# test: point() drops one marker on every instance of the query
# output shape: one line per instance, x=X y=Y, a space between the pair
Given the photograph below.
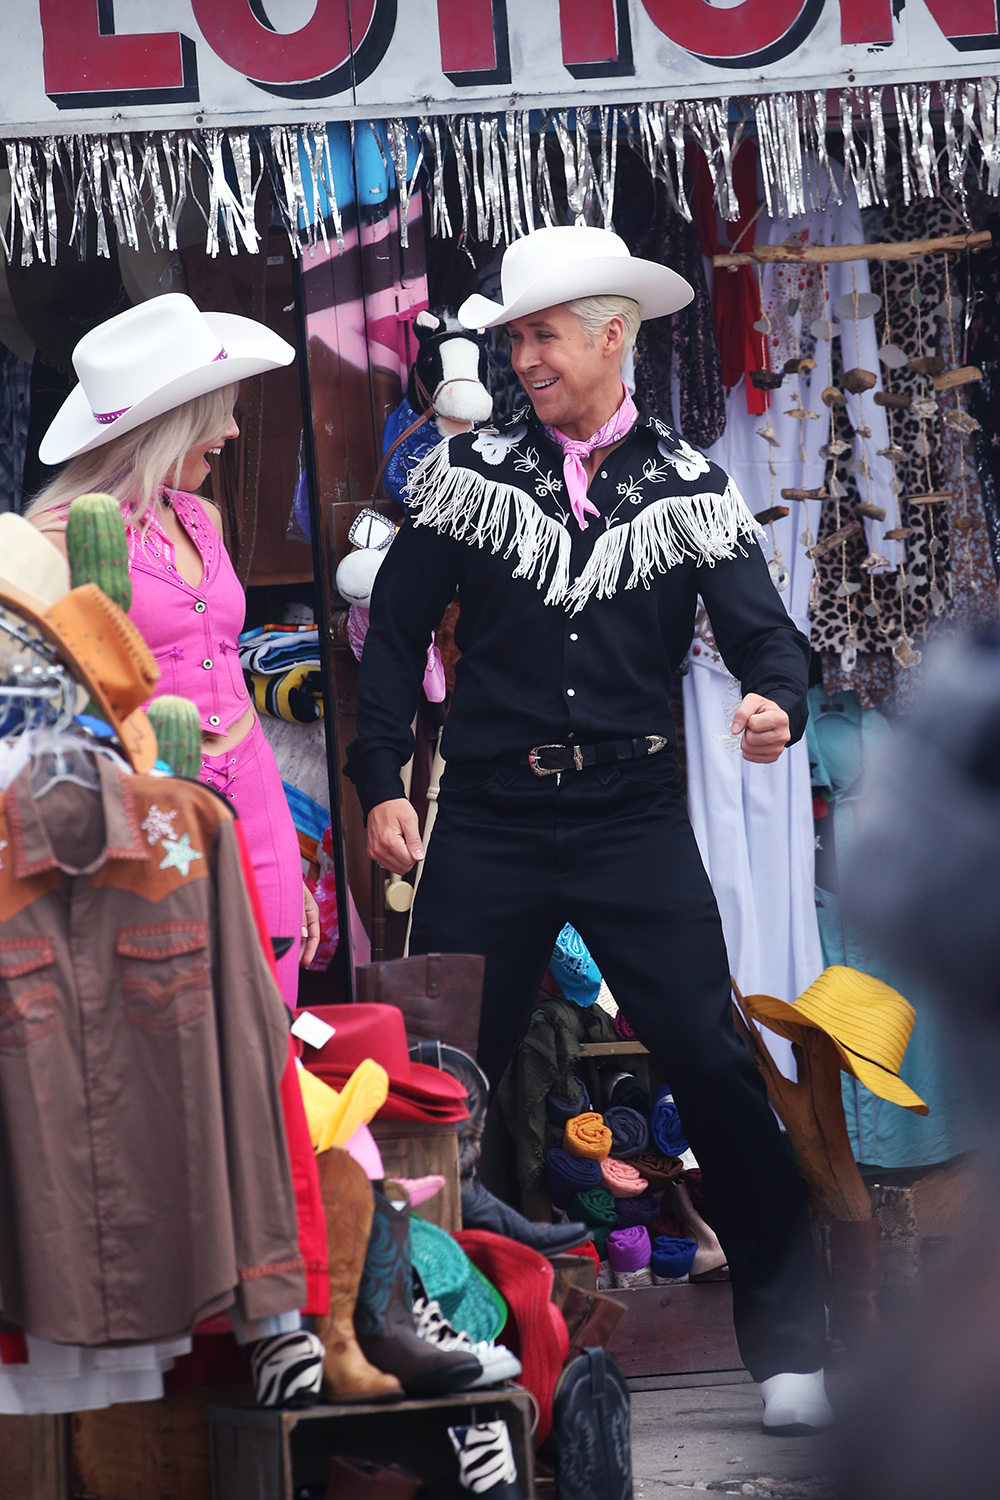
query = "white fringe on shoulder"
x=458 y=502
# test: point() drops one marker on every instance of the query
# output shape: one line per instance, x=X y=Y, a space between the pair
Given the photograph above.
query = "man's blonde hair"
x=136 y=467
x=595 y=313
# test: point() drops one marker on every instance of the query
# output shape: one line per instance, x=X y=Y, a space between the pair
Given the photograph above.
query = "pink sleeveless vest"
x=191 y=630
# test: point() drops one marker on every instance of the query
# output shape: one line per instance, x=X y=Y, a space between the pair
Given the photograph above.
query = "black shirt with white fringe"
x=567 y=636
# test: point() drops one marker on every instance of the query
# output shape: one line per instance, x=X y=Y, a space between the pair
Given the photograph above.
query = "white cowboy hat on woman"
x=149 y=359
x=569 y=261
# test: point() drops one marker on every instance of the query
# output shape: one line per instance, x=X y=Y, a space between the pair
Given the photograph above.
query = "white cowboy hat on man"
x=147 y=360
x=560 y=264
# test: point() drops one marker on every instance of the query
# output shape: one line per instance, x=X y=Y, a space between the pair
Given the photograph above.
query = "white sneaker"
x=497 y=1361
x=795 y=1403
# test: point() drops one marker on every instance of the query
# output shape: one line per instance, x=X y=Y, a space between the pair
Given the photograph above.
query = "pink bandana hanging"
x=575 y=475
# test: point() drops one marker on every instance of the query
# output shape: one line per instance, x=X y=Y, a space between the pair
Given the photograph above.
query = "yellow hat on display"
x=868 y=1022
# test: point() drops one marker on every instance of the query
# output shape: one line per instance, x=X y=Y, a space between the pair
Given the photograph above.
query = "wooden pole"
x=824 y=254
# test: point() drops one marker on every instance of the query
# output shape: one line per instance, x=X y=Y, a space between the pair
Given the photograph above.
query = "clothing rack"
x=824 y=254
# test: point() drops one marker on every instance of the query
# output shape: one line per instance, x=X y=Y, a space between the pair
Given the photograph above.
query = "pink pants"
x=247 y=776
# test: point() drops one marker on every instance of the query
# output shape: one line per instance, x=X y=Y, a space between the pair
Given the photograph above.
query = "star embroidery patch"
x=179 y=854
x=158 y=824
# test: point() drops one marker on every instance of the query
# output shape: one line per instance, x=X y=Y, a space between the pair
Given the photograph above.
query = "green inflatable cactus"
x=97 y=549
x=178 y=733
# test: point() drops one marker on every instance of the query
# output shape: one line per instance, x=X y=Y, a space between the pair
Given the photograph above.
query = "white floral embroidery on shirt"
x=631 y=489
x=159 y=824
x=686 y=460
x=3 y=845
x=494 y=446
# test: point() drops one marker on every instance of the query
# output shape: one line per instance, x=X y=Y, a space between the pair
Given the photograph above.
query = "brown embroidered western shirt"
x=144 y=1176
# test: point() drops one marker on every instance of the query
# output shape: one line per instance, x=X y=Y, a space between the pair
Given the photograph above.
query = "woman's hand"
x=310 y=927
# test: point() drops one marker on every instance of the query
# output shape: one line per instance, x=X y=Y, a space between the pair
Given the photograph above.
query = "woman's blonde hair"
x=139 y=465
x=595 y=313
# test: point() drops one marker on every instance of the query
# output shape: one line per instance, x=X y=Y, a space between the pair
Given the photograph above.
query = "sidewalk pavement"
x=709 y=1438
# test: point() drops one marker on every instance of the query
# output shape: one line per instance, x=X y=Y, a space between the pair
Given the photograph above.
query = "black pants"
x=512 y=858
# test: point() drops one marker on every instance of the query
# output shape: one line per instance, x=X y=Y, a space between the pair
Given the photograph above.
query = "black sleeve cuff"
x=375 y=775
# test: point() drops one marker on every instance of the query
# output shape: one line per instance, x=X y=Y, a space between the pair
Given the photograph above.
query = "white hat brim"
x=657 y=289
x=251 y=349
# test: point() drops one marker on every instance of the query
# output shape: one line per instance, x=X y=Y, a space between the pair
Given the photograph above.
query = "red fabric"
x=536 y=1330
x=313 y=1245
x=590 y=1250
x=215 y=1359
x=735 y=294
x=13 y=1348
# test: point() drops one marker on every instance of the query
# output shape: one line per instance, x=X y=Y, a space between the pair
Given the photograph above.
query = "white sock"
x=792 y=1400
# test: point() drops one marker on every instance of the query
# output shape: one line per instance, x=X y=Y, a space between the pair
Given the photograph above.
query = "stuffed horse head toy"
x=451 y=371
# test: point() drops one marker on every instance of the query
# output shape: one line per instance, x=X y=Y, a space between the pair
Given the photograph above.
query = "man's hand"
x=394 y=835
x=764 y=726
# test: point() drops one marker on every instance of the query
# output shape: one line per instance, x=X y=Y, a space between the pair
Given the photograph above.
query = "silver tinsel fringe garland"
x=144 y=180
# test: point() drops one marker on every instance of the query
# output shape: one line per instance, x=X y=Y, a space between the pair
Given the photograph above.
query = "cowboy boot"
x=383 y=1317
x=482 y=1209
x=854 y=1313
x=591 y=1319
x=365 y=1479
x=348 y=1204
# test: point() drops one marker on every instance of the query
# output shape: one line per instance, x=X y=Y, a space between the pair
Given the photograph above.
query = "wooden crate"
x=34 y=1458
x=412 y=1148
x=146 y=1450
x=274 y=1455
x=676 y=1330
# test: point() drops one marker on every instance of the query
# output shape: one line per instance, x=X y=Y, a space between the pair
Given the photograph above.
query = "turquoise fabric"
x=840 y=737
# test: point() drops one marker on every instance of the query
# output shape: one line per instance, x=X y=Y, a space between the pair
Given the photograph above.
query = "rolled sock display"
x=566 y=1175
x=665 y=1124
x=629 y=1131
x=587 y=1135
x=629 y=1253
x=562 y=1107
x=621 y=1178
x=672 y=1258
x=641 y=1210
x=625 y=1091
x=594 y=1207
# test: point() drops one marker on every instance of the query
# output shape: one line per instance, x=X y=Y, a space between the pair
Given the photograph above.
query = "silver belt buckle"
x=656 y=742
x=533 y=755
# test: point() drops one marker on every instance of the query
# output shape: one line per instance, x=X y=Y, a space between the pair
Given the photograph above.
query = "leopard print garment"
x=950 y=580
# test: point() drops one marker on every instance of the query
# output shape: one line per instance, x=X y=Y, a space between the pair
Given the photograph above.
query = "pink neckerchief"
x=574 y=473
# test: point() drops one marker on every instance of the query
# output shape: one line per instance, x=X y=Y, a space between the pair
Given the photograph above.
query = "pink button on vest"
x=191 y=629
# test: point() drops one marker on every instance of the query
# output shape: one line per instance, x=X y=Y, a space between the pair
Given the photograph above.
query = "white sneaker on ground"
x=795 y=1403
x=497 y=1361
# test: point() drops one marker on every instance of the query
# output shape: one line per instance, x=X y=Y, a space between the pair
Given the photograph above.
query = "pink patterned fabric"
x=575 y=475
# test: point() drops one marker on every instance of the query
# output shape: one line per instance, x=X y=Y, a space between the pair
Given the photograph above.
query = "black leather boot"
x=383 y=1315
x=481 y=1210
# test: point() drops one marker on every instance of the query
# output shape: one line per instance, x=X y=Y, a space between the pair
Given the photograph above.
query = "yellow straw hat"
x=868 y=1022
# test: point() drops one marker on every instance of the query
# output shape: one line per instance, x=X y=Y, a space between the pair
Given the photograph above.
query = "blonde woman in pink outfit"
x=155 y=398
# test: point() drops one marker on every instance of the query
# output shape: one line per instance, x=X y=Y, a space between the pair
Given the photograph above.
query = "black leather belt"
x=553 y=760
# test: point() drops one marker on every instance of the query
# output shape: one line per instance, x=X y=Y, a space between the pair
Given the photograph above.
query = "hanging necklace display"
x=903 y=648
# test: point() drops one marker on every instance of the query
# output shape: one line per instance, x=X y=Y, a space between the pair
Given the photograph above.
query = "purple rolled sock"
x=640 y=1210
x=629 y=1249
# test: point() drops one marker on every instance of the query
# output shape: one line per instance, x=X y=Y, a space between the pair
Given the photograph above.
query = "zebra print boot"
x=287 y=1369
x=485 y=1460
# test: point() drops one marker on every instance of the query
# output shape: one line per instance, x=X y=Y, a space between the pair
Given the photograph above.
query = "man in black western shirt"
x=579 y=536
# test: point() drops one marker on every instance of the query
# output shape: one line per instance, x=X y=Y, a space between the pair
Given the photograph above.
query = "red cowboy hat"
x=536 y=1330
x=416 y=1092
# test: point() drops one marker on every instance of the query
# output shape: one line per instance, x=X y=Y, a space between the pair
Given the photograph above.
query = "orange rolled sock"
x=587 y=1135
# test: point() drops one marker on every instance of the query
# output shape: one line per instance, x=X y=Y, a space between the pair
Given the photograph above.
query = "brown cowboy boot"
x=590 y=1319
x=349 y=1207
